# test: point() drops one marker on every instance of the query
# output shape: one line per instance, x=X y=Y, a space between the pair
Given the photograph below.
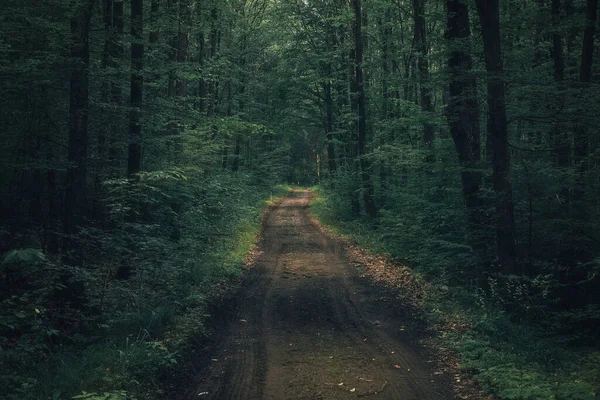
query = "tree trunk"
x=367 y=184
x=489 y=15
x=561 y=149
x=463 y=119
x=134 y=160
x=201 y=81
x=581 y=140
x=183 y=42
x=154 y=12
x=214 y=47
x=422 y=50
x=75 y=199
x=329 y=124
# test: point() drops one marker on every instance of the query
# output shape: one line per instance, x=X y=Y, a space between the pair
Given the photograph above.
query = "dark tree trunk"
x=75 y=199
x=214 y=48
x=183 y=42
x=329 y=125
x=201 y=81
x=587 y=51
x=422 y=50
x=463 y=119
x=385 y=64
x=489 y=15
x=154 y=12
x=353 y=139
x=134 y=160
x=107 y=9
x=557 y=48
x=581 y=140
x=117 y=48
x=561 y=150
x=367 y=184
x=108 y=136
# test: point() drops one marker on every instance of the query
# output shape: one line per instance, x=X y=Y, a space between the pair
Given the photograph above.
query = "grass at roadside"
x=509 y=360
x=149 y=320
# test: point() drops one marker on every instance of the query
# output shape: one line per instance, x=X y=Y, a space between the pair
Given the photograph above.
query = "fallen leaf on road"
x=353 y=390
x=397 y=366
x=202 y=393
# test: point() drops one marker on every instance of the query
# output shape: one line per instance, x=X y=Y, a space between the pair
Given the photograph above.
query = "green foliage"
x=112 y=395
x=511 y=356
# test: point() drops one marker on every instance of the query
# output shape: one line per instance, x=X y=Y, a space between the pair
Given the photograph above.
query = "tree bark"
x=489 y=15
x=367 y=184
x=134 y=160
x=75 y=199
x=422 y=50
x=155 y=30
x=561 y=147
x=581 y=140
x=329 y=124
x=463 y=119
x=183 y=42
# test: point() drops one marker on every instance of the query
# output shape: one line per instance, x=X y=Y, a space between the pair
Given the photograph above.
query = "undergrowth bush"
x=514 y=347
x=106 y=324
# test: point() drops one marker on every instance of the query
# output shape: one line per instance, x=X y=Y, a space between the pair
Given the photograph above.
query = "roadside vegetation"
x=121 y=336
x=514 y=346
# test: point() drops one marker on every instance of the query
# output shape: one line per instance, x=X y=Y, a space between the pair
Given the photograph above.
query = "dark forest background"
x=142 y=139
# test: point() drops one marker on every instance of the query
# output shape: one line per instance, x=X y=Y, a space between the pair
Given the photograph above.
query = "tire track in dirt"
x=305 y=326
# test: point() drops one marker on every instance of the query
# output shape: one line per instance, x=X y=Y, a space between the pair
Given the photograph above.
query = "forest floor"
x=309 y=323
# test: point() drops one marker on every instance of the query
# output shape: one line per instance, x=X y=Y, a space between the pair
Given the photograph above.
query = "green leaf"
x=24 y=255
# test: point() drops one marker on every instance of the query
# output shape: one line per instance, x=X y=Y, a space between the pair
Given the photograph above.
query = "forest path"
x=306 y=325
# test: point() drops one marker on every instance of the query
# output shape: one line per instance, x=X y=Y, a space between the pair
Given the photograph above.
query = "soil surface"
x=308 y=325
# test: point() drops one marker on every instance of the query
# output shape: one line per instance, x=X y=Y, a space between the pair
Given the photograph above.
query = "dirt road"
x=306 y=326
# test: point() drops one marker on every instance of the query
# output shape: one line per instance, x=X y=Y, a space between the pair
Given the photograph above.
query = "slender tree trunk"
x=463 y=119
x=386 y=34
x=155 y=30
x=329 y=123
x=214 y=44
x=581 y=140
x=75 y=199
x=353 y=154
x=107 y=9
x=201 y=81
x=422 y=50
x=134 y=160
x=367 y=184
x=489 y=15
x=561 y=151
x=183 y=42
x=107 y=151
x=117 y=48
x=101 y=163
